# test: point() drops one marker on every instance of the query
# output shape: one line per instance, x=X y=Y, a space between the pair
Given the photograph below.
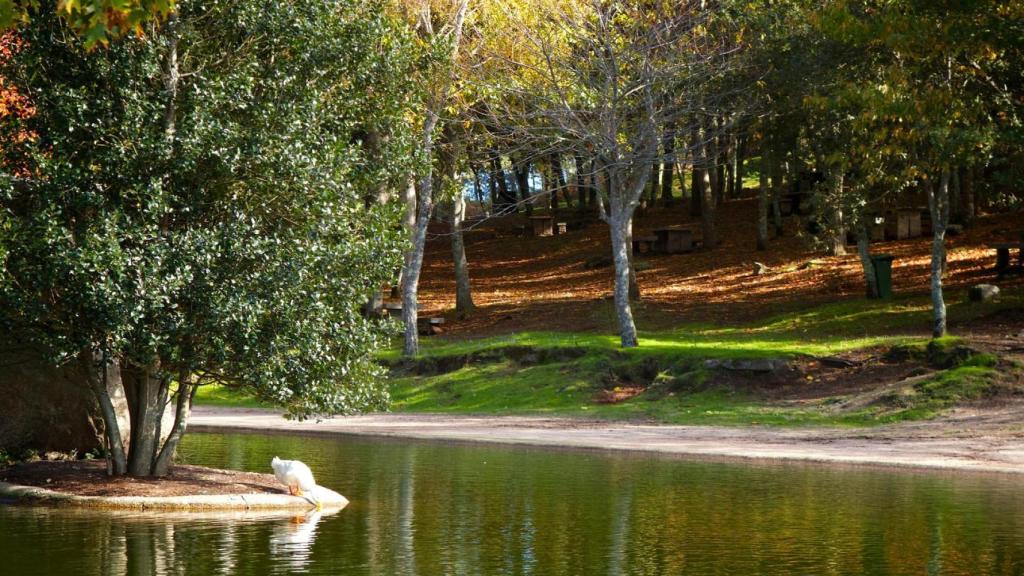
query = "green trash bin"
x=883 y=274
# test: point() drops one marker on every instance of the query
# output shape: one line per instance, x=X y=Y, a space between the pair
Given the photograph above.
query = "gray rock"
x=754 y=365
x=983 y=293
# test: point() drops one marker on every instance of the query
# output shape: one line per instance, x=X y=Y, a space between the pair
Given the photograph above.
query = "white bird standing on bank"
x=297 y=477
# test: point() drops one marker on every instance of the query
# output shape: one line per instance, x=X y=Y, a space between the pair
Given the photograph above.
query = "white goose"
x=297 y=477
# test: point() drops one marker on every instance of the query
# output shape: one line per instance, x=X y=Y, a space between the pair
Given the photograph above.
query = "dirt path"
x=990 y=440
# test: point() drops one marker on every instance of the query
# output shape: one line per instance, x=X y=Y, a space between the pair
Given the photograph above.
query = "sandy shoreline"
x=990 y=441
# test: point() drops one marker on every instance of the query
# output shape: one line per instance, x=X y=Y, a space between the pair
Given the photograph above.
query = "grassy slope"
x=567 y=386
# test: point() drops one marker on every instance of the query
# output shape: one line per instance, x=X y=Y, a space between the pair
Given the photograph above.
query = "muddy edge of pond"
x=970 y=442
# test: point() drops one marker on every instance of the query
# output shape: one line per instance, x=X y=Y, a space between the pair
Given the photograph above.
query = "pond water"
x=436 y=509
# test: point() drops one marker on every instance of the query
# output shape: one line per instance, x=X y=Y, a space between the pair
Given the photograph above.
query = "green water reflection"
x=430 y=509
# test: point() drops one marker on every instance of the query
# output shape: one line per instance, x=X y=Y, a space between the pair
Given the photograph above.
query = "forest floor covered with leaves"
x=521 y=282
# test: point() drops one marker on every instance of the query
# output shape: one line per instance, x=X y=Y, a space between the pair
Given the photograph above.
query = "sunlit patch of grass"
x=217 y=395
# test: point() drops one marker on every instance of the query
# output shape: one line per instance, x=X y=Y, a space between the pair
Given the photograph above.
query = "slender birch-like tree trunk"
x=418 y=240
x=425 y=200
x=837 y=234
x=668 y=144
x=938 y=205
x=762 y=211
x=463 y=295
x=863 y=250
x=618 y=223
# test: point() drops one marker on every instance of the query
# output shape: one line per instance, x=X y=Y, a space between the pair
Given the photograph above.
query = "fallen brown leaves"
x=526 y=283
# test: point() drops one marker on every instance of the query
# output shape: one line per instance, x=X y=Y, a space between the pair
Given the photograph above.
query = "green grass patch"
x=222 y=396
x=970 y=381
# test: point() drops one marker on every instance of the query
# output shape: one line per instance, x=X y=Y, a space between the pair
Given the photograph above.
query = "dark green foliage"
x=217 y=228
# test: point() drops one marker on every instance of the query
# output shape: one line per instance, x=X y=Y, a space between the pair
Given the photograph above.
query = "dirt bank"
x=990 y=440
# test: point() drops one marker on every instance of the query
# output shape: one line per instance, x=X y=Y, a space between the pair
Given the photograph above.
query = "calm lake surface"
x=435 y=509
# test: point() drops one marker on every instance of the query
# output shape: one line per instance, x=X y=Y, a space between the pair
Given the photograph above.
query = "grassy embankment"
x=667 y=379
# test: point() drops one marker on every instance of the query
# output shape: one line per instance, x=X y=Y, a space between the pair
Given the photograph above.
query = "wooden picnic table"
x=1003 y=265
x=644 y=244
x=673 y=240
x=394 y=309
x=425 y=325
x=543 y=225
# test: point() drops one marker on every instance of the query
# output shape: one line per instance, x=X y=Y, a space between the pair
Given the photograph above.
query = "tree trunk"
x=938 y=205
x=170 y=79
x=414 y=255
x=593 y=193
x=716 y=165
x=740 y=169
x=492 y=185
x=634 y=286
x=522 y=173
x=478 y=191
x=507 y=197
x=621 y=246
x=956 y=205
x=710 y=170
x=863 y=247
x=413 y=266
x=668 y=144
x=581 y=185
x=696 y=196
x=147 y=412
x=97 y=372
x=680 y=169
x=560 y=181
x=425 y=205
x=183 y=409
x=463 y=295
x=762 y=211
x=655 y=184
x=837 y=230
x=730 y=177
x=708 y=197
x=777 y=190
x=967 y=193
x=708 y=212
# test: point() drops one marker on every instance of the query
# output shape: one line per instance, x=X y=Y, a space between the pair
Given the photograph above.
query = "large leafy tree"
x=195 y=208
x=604 y=80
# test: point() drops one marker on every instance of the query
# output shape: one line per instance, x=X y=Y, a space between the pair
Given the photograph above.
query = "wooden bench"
x=672 y=240
x=1003 y=264
x=644 y=244
x=429 y=326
